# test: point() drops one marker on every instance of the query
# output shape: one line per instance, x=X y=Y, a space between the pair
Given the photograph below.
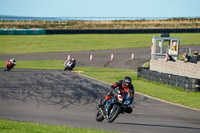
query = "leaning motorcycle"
x=68 y=65
x=8 y=68
x=113 y=107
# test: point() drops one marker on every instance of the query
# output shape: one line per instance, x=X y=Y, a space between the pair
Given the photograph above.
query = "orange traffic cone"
x=112 y=57
x=90 y=57
x=132 y=56
x=68 y=57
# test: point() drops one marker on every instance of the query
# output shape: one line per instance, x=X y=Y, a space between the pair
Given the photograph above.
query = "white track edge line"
x=146 y=95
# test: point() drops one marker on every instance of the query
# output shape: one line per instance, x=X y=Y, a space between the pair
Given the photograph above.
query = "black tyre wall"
x=186 y=83
x=120 y=31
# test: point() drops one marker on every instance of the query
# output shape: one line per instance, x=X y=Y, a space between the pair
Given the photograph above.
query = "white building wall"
x=180 y=68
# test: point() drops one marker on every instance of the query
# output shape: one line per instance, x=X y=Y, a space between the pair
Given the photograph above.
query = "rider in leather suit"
x=10 y=64
x=125 y=86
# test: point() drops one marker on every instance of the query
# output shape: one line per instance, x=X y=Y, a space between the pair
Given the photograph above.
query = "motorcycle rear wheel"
x=113 y=113
x=99 y=116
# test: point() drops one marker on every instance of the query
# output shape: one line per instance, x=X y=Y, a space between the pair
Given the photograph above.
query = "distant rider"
x=125 y=86
x=70 y=65
x=10 y=64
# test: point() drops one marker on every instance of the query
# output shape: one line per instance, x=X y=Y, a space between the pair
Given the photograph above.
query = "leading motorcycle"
x=113 y=107
x=10 y=64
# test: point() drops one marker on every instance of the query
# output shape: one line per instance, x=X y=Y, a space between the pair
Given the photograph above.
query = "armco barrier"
x=187 y=83
x=120 y=31
x=22 y=31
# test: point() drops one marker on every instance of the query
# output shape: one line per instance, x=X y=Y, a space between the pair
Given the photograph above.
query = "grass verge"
x=24 y=127
x=12 y=44
x=110 y=75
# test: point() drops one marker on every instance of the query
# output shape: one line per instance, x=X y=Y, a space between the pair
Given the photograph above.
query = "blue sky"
x=100 y=8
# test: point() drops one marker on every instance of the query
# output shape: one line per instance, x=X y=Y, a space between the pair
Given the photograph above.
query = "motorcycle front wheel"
x=113 y=113
x=66 y=68
x=8 y=68
x=99 y=116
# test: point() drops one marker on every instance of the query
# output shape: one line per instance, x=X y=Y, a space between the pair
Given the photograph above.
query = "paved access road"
x=68 y=98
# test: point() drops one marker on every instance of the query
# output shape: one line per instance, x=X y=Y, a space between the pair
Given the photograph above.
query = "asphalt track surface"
x=67 y=98
x=101 y=58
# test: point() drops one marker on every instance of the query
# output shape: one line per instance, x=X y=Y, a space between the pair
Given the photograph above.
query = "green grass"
x=157 y=90
x=12 y=44
x=110 y=75
x=23 y=127
x=62 y=43
x=37 y=64
x=147 y=64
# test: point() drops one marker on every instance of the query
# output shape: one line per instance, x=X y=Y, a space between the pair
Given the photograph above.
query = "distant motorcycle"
x=10 y=64
x=69 y=65
x=113 y=107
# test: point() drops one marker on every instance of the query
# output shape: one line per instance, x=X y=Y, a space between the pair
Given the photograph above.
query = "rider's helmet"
x=13 y=61
x=73 y=60
x=127 y=82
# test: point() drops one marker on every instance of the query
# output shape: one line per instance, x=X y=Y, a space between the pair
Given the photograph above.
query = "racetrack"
x=101 y=58
x=68 y=98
